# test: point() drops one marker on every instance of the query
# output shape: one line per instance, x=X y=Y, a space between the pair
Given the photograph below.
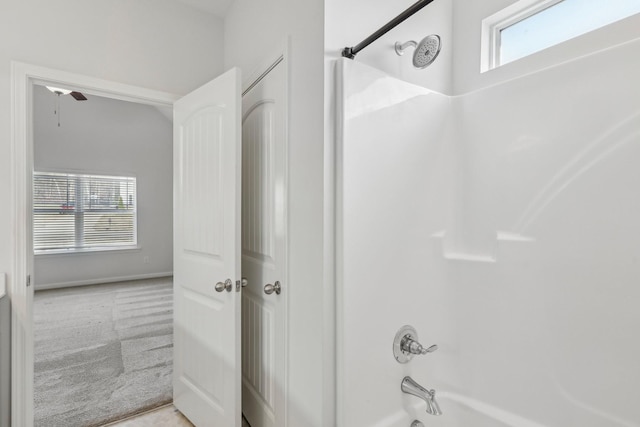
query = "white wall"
x=111 y=137
x=156 y=44
x=253 y=31
x=467 y=26
x=549 y=195
x=395 y=191
x=555 y=174
x=346 y=24
x=350 y=22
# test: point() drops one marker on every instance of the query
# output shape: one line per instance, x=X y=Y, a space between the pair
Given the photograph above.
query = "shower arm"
x=351 y=52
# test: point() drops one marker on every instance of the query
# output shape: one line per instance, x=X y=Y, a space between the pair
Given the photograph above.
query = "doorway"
x=102 y=232
x=24 y=77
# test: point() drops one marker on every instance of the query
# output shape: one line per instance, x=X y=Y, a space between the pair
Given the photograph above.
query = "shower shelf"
x=502 y=237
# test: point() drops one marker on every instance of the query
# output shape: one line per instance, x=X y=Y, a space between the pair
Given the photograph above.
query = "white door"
x=264 y=252
x=206 y=378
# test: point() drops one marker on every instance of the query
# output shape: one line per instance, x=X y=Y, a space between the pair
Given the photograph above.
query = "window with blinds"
x=77 y=212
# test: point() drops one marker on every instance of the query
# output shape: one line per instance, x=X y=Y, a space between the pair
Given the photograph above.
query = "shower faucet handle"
x=406 y=345
x=412 y=346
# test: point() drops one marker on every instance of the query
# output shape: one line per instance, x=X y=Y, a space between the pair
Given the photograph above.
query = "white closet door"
x=264 y=251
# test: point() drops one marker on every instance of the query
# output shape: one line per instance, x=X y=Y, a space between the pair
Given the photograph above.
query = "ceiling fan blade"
x=78 y=96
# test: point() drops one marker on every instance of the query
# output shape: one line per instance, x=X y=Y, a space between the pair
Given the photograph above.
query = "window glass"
x=76 y=212
x=558 y=23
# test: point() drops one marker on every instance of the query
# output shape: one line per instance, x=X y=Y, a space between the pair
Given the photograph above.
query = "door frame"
x=23 y=78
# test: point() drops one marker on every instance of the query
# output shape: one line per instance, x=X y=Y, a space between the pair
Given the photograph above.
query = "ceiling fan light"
x=58 y=90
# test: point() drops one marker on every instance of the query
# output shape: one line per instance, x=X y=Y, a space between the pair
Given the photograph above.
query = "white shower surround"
x=503 y=225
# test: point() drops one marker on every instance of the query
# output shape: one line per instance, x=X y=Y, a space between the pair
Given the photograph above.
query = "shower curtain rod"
x=351 y=52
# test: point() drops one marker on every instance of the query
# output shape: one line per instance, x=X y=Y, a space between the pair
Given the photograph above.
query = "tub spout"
x=409 y=386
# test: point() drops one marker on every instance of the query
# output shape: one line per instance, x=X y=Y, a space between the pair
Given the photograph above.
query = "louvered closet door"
x=264 y=236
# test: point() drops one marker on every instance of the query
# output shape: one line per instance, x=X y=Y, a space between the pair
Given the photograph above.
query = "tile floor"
x=166 y=416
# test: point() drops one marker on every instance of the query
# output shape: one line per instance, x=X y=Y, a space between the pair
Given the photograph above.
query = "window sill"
x=87 y=251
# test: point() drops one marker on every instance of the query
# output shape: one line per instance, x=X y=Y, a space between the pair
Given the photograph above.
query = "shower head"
x=426 y=51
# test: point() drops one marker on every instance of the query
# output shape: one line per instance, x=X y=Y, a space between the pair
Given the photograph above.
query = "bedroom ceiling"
x=216 y=7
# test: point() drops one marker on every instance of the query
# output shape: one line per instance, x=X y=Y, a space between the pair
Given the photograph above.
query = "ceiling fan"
x=59 y=91
x=76 y=95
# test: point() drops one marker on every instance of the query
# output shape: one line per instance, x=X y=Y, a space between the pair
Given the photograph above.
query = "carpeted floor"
x=102 y=352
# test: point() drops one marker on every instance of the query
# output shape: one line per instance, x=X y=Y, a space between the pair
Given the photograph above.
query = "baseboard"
x=47 y=286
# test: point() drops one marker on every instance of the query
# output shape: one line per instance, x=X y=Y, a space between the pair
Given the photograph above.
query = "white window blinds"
x=75 y=212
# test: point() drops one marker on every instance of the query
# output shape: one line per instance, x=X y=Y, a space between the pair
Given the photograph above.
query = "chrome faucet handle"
x=406 y=345
x=412 y=346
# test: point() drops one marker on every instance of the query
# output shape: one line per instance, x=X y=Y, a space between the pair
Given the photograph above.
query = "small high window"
x=529 y=26
x=73 y=212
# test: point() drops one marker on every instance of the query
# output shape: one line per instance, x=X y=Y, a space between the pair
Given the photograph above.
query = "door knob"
x=244 y=282
x=227 y=285
x=269 y=288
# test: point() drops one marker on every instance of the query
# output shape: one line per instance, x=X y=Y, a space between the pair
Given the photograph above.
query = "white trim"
x=92 y=172
x=338 y=239
x=20 y=295
x=47 y=253
x=23 y=77
x=285 y=52
x=96 y=86
x=329 y=252
x=102 y=280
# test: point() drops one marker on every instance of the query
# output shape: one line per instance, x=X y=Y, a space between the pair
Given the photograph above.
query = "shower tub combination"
x=503 y=225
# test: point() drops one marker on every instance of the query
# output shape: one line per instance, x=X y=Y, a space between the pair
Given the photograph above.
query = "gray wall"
x=111 y=137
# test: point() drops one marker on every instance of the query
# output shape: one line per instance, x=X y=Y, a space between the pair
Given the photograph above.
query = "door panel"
x=258 y=364
x=258 y=237
x=264 y=252
x=202 y=159
x=207 y=251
